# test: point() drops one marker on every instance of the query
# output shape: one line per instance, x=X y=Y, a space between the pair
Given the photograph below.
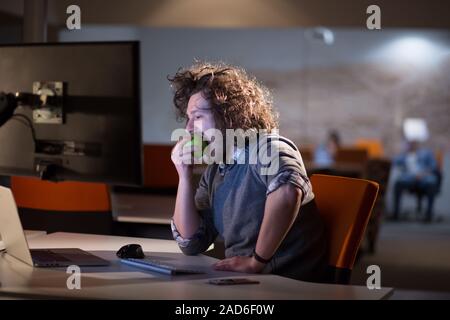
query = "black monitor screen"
x=91 y=130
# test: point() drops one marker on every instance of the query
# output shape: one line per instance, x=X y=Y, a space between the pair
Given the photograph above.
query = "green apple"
x=197 y=141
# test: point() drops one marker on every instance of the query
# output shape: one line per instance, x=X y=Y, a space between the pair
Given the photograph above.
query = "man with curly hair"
x=267 y=220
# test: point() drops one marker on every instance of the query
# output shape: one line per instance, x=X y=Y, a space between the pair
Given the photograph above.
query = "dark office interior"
x=374 y=95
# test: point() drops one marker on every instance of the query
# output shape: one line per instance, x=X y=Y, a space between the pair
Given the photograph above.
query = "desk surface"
x=120 y=281
x=142 y=208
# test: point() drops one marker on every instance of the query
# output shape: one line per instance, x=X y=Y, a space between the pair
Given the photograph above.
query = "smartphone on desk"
x=232 y=281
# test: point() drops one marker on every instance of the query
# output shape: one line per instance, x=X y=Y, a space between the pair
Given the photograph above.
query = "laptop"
x=16 y=244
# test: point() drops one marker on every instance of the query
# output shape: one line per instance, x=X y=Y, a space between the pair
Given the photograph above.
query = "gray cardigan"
x=231 y=201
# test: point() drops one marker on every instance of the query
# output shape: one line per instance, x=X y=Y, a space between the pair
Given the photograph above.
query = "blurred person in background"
x=325 y=153
x=418 y=173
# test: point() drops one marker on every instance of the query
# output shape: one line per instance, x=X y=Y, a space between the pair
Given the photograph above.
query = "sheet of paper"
x=118 y=275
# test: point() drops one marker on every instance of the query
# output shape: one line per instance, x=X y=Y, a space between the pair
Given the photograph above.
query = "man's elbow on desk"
x=189 y=251
x=193 y=247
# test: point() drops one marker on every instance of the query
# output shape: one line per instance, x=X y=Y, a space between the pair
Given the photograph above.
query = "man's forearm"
x=186 y=217
x=281 y=209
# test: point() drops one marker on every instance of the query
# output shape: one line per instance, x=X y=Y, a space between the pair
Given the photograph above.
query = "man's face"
x=200 y=117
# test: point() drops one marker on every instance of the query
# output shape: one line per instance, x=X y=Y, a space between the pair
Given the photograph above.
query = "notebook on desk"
x=16 y=244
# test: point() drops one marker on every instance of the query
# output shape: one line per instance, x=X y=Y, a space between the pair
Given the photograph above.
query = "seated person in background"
x=417 y=172
x=269 y=222
x=325 y=152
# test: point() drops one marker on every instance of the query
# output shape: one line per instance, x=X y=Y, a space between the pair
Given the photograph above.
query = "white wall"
x=164 y=50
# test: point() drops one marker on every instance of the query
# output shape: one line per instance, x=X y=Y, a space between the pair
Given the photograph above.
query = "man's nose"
x=190 y=125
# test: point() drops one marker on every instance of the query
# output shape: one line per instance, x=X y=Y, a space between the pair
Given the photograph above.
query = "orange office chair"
x=63 y=206
x=159 y=171
x=345 y=205
x=374 y=147
x=34 y=193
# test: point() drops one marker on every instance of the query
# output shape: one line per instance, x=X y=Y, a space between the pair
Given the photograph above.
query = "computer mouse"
x=131 y=251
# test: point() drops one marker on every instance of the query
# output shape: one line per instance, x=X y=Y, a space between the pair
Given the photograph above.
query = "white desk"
x=119 y=281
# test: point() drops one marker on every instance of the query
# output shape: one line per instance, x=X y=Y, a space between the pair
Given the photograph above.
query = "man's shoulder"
x=273 y=140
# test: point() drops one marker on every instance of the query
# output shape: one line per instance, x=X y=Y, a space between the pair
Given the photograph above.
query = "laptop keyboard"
x=159 y=266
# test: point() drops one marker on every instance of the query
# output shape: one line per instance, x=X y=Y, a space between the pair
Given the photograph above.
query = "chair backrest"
x=374 y=147
x=440 y=155
x=379 y=170
x=345 y=205
x=307 y=152
x=159 y=171
x=351 y=155
x=33 y=193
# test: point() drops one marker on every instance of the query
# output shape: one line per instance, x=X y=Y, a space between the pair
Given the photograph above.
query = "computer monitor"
x=87 y=125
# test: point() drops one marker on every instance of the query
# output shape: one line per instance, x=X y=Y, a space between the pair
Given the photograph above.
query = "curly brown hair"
x=237 y=100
